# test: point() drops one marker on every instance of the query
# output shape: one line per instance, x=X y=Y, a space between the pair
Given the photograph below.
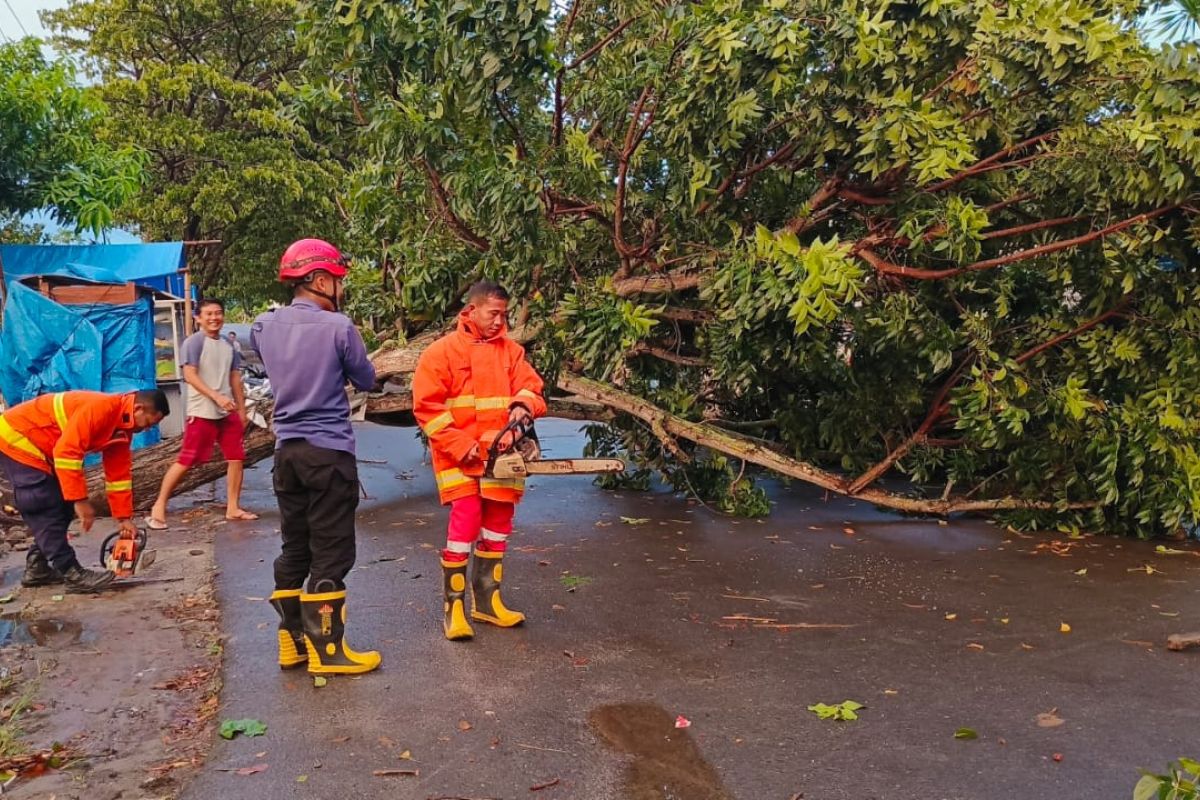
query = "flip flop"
x=155 y=525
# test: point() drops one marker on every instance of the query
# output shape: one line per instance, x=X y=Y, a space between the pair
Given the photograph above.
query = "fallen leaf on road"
x=1163 y=550
x=386 y=742
x=848 y=531
x=58 y=598
x=1081 y=571
x=682 y=722
x=251 y=770
x=952 y=617
x=974 y=646
x=890 y=691
x=464 y=726
x=388 y=773
x=1026 y=646
x=7 y=598
x=1058 y=757
x=846 y=711
x=546 y=785
x=965 y=733
x=543 y=563
x=319 y=681
x=1050 y=719
x=918 y=606
x=301 y=779
x=340 y=740
x=635 y=520
x=557 y=607
x=1004 y=620
x=406 y=755
x=1064 y=628
x=250 y=727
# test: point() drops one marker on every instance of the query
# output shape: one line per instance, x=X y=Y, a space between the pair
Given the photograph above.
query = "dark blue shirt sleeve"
x=255 y=328
x=358 y=368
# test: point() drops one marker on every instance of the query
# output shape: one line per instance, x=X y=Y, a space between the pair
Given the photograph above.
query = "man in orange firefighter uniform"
x=468 y=386
x=42 y=446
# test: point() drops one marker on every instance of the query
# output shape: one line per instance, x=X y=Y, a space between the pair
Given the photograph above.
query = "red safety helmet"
x=306 y=256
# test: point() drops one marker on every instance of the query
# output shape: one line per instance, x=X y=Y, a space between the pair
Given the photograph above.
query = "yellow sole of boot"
x=478 y=617
x=340 y=669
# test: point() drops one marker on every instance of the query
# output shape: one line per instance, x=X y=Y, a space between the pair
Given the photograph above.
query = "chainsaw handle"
x=110 y=542
x=520 y=428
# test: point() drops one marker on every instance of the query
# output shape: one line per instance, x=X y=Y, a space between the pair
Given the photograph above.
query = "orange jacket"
x=463 y=390
x=54 y=432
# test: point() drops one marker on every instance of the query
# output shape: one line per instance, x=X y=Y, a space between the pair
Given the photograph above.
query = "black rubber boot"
x=292 y=651
x=81 y=580
x=324 y=616
x=454 y=606
x=486 y=605
x=38 y=571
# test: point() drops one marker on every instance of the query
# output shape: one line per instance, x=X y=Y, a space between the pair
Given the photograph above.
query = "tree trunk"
x=151 y=464
x=753 y=452
x=589 y=400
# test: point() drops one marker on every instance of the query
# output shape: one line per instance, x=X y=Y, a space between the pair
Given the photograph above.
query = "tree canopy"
x=951 y=240
x=202 y=87
x=52 y=158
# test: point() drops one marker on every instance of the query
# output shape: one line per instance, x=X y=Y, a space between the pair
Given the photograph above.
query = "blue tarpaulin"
x=153 y=265
x=47 y=347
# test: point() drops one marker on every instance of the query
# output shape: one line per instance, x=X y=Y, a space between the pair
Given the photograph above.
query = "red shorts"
x=200 y=434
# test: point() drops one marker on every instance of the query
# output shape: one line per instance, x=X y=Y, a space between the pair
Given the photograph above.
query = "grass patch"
x=11 y=712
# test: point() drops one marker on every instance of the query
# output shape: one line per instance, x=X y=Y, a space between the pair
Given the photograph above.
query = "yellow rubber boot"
x=292 y=651
x=454 y=584
x=486 y=605
x=324 y=617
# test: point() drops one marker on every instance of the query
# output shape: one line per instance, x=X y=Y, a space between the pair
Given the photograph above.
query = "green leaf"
x=1147 y=788
x=966 y=733
x=249 y=727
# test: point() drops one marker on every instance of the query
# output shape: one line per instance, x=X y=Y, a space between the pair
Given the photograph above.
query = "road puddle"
x=47 y=632
x=667 y=764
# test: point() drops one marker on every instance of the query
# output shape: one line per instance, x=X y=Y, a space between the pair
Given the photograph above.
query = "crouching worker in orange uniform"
x=42 y=446
x=468 y=386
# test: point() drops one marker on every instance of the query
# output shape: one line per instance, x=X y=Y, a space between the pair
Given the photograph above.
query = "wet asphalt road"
x=934 y=628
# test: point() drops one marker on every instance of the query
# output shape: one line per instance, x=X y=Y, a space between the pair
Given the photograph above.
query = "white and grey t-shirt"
x=214 y=359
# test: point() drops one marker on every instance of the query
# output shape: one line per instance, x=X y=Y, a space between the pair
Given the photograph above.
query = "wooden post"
x=187 y=301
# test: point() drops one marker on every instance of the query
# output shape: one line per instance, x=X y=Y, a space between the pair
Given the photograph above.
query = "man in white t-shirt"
x=216 y=412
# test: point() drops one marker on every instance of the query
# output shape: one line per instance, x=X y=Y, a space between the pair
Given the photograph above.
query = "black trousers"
x=38 y=496
x=317 y=491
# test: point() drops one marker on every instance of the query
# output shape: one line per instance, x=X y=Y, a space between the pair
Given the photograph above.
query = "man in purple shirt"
x=310 y=351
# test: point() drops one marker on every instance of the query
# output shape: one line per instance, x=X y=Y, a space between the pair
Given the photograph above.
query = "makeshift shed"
x=83 y=324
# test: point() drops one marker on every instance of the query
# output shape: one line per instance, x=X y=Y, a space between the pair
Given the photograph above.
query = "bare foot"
x=240 y=515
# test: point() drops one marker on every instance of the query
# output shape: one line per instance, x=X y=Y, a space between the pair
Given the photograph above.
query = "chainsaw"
x=516 y=453
x=124 y=552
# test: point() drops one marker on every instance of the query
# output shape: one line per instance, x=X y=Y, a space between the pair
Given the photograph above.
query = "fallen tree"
x=587 y=400
x=950 y=244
